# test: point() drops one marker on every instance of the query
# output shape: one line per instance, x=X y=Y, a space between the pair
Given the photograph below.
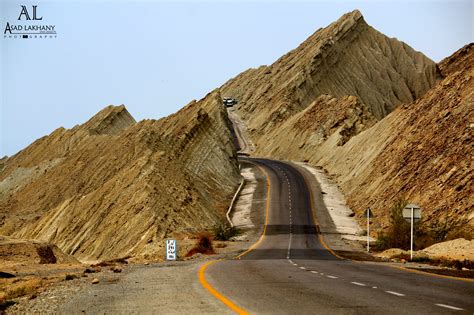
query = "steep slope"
x=336 y=102
x=346 y=58
x=420 y=152
x=327 y=119
x=113 y=187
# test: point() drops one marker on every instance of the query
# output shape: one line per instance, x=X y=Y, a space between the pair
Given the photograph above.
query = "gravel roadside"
x=164 y=288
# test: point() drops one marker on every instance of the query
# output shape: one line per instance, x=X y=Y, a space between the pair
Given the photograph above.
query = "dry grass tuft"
x=203 y=246
x=21 y=288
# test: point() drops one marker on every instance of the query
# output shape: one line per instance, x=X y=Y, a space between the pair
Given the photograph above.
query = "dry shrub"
x=22 y=288
x=70 y=277
x=5 y=304
x=441 y=231
x=203 y=246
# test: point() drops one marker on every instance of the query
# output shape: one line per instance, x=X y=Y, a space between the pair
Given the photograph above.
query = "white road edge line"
x=358 y=283
x=450 y=307
x=395 y=293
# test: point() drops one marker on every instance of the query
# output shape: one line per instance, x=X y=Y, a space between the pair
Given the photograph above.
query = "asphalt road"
x=241 y=139
x=290 y=271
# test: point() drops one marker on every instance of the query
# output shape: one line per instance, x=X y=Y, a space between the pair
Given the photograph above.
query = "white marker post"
x=369 y=215
x=171 y=249
x=368 y=231
x=411 y=212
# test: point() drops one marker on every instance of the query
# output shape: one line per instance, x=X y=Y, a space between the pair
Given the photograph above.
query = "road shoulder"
x=346 y=248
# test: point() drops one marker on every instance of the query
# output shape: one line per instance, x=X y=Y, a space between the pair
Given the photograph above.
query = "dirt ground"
x=458 y=249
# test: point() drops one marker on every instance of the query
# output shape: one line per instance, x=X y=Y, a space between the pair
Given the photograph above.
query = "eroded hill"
x=348 y=57
x=420 y=152
x=113 y=187
x=383 y=119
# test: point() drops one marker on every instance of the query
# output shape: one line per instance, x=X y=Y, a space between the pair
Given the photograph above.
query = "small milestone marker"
x=368 y=213
x=171 y=249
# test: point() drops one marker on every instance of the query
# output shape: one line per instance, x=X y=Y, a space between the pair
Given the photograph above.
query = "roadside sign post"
x=411 y=235
x=369 y=215
x=368 y=230
x=411 y=213
x=171 y=249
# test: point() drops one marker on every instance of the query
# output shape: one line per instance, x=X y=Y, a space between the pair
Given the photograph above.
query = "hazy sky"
x=156 y=56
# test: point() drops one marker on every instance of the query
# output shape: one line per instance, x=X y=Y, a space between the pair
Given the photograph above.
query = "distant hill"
x=113 y=187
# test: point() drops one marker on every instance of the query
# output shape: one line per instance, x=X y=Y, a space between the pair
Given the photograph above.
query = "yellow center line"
x=219 y=296
x=202 y=270
x=313 y=211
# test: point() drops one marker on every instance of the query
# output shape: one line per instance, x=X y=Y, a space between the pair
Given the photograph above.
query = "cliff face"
x=113 y=187
x=384 y=120
x=346 y=58
x=420 y=152
x=327 y=119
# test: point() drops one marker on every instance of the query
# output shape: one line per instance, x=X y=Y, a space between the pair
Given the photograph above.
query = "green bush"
x=382 y=242
x=399 y=232
x=421 y=259
x=398 y=235
x=222 y=232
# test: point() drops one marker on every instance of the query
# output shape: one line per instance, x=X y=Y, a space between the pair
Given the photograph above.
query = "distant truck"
x=229 y=101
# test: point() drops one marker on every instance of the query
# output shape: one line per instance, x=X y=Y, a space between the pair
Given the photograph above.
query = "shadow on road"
x=295 y=253
x=277 y=229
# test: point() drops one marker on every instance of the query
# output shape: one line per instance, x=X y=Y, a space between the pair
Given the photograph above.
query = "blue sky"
x=156 y=56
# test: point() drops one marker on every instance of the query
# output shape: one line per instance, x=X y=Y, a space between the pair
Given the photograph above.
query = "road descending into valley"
x=290 y=270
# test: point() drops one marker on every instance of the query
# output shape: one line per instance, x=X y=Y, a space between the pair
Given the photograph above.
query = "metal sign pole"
x=411 y=215
x=411 y=237
x=368 y=232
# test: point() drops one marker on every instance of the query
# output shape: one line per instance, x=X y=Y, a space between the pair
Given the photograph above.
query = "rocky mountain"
x=348 y=57
x=419 y=152
x=113 y=187
x=385 y=121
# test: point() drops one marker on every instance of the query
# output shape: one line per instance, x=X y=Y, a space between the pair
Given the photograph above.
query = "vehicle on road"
x=229 y=101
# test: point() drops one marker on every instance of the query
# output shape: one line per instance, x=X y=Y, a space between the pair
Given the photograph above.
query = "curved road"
x=291 y=271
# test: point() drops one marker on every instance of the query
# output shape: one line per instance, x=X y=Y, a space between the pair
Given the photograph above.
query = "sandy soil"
x=240 y=216
x=458 y=249
x=341 y=214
